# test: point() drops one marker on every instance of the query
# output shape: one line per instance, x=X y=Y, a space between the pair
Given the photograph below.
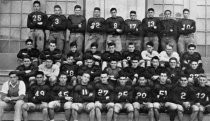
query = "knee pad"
x=117 y=107
x=98 y=105
x=136 y=105
x=75 y=106
x=110 y=105
x=90 y=106
x=129 y=107
x=67 y=105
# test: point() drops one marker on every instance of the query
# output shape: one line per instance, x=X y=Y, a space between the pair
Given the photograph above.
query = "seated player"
x=52 y=51
x=190 y=55
x=134 y=70
x=113 y=70
x=161 y=94
x=181 y=98
x=70 y=68
x=27 y=71
x=93 y=52
x=38 y=98
x=167 y=54
x=123 y=97
x=78 y=56
x=149 y=53
x=173 y=70
x=62 y=97
x=12 y=94
x=84 y=96
x=194 y=71
x=111 y=53
x=104 y=100
x=142 y=98
x=201 y=103
x=92 y=69
x=50 y=70
x=129 y=53
x=33 y=53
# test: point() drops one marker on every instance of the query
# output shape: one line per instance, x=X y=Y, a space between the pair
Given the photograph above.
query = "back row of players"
x=150 y=29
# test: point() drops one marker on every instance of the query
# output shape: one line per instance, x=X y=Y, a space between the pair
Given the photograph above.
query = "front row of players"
x=106 y=95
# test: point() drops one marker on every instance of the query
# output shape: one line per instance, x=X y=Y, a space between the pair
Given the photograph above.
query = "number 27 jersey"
x=104 y=92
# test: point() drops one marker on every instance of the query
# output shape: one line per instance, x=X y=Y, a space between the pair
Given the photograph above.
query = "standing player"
x=57 y=24
x=186 y=29
x=142 y=98
x=77 y=26
x=168 y=31
x=38 y=98
x=96 y=28
x=114 y=28
x=84 y=96
x=123 y=97
x=62 y=97
x=104 y=97
x=133 y=30
x=37 y=22
x=151 y=28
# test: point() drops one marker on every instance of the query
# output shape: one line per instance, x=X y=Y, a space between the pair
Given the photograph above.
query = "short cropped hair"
x=112 y=9
x=77 y=6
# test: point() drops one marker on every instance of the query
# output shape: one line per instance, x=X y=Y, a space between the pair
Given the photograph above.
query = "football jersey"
x=186 y=26
x=57 y=23
x=168 y=27
x=151 y=26
x=189 y=57
x=151 y=71
x=202 y=95
x=128 y=55
x=98 y=23
x=161 y=92
x=84 y=93
x=114 y=23
x=104 y=92
x=56 y=54
x=142 y=94
x=94 y=71
x=29 y=52
x=70 y=69
x=193 y=73
x=174 y=74
x=37 y=20
x=133 y=28
x=107 y=56
x=123 y=94
x=130 y=71
x=73 y=21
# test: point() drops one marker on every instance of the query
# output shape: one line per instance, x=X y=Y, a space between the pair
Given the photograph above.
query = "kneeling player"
x=202 y=93
x=123 y=97
x=62 y=98
x=84 y=96
x=142 y=98
x=104 y=97
x=181 y=98
x=161 y=95
x=38 y=97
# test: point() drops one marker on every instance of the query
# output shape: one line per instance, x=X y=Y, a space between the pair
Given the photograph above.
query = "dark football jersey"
x=37 y=20
x=94 y=71
x=161 y=92
x=98 y=23
x=193 y=73
x=114 y=23
x=133 y=28
x=202 y=95
x=70 y=69
x=128 y=55
x=39 y=93
x=74 y=21
x=107 y=56
x=142 y=94
x=84 y=93
x=151 y=71
x=33 y=53
x=186 y=26
x=168 y=27
x=189 y=57
x=130 y=71
x=123 y=94
x=56 y=54
x=57 y=23
x=174 y=74
x=151 y=26
x=104 y=92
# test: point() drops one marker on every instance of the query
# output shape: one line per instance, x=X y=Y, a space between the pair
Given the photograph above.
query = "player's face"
x=183 y=81
x=77 y=11
x=39 y=79
x=36 y=7
x=167 y=14
x=186 y=14
x=29 y=45
x=104 y=78
x=163 y=77
x=111 y=49
x=194 y=65
x=70 y=59
x=142 y=81
x=135 y=63
x=63 y=79
x=122 y=80
x=89 y=62
x=131 y=48
x=113 y=13
x=26 y=62
x=202 y=81
x=73 y=49
x=191 y=50
x=155 y=62
x=13 y=78
x=172 y=63
x=96 y=13
x=93 y=49
x=49 y=63
x=57 y=11
x=150 y=13
x=113 y=64
x=169 y=49
x=133 y=16
x=149 y=48
x=52 y=46
x=85 y=78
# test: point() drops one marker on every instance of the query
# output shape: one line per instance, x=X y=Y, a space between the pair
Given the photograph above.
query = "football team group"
x=132 y=66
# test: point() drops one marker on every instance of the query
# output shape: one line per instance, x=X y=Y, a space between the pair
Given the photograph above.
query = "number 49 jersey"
x=104 y=92
x=161 y=93
x=142 y=94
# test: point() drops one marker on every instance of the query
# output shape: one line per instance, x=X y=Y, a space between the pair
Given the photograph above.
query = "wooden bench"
x=37 y=116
